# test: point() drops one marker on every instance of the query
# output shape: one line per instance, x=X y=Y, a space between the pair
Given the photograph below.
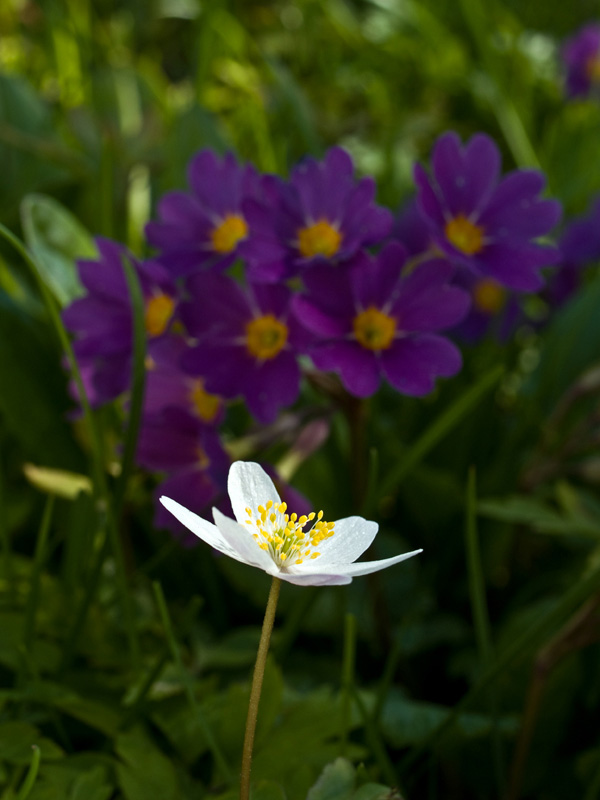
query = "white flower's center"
x=283 y=536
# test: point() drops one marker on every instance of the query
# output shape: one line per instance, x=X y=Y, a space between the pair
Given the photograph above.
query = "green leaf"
x=17 y=739
x=267 y=790
x=33 y=400
x=56 y=240
x=539 y=516
x=91 y=785
x=143 y=771
x=406 y=722
x=336 y=782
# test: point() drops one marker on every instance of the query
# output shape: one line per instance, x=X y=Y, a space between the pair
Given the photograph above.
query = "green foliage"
x=101 y=107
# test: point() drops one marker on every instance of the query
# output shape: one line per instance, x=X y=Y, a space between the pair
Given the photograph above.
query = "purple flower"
x=246 y=342
x=190 y=453
x=372 y=321
x=103 y=320
x=321 y=216
x=482 y=223
x=168 y=385
x=581 y=55
x=579 y=246
x=204 y=229
x=493 y=309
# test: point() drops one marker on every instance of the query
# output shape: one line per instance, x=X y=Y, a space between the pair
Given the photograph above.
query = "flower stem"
x=257 y=681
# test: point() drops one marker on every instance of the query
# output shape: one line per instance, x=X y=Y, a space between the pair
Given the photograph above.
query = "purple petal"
x=411 y=365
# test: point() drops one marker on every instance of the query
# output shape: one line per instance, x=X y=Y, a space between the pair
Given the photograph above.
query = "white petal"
x=324 y=579
x=351 y=538
x=249 y=486
x=312 y=569
x=201 y=528
x=240 y=539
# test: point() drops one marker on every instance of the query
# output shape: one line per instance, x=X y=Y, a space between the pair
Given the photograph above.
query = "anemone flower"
x=303 y=550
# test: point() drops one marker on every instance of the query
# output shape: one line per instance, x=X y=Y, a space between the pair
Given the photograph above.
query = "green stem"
x=6 y=548
x=176 y=655
x=38 y=561
x=481 y=618
x=439 y=428
x=348 y=660
x=31 y=774
x=137 y=384
x=257 y=682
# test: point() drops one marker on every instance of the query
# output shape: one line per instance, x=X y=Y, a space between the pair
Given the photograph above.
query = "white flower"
x=306 y=550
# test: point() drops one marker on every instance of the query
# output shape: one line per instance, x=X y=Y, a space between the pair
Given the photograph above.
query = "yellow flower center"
x=159 y=310
x=320 y=239
x=488 y=296
x=205 y=405
x=374 y=329
x=231 y=230
x=266 y=336
x=283 y=536
x=464 y=235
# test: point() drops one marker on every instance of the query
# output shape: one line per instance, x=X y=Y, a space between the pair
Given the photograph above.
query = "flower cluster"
x=581 y=56
x=329 y=284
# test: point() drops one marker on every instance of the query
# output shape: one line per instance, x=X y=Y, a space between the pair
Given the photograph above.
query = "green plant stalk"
x=27 y=786
x=475 y=12
x=255 y=690
x=348 y=661
x=439 y=428
x=136 y=404
x=212 y=743
x=519 y=647
x=99 y=478
x=6 y=548
x=38 y=562
x=481 y=618
x=375 y=743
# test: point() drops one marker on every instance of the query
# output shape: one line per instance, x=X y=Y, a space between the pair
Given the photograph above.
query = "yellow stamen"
x=464 y=235
x=158 y=313
x=319 y=239
x=266 y=336
x=373 y=329
x=231 y=230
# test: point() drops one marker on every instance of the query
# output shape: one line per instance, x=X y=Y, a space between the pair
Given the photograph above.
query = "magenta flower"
x=372 y=321
x=321 y=216
x=581 y=56
x=486 y=224
x=190 y=453
x=204 y=229
x=246 y=342
x=102 y=321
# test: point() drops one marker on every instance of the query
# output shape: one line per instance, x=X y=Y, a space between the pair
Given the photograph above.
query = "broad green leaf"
x=92 y=785
x=336 y=782
x=540 y=517
x=407 y=722
x=16 y=740
x=56 y=240
x=143 y=771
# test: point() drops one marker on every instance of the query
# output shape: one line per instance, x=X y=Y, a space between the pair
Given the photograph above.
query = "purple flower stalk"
x=581 y=56
x=371 y=321
x=321 y=216
x=483 y=223
x=103 y=320
x=246 y=342
x=204 y=228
